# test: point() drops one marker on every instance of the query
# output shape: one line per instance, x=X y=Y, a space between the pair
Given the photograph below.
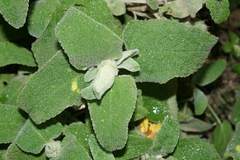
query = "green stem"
x=214 y=114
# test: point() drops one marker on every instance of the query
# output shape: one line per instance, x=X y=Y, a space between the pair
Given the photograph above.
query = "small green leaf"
x=110 y=116
x=167 y=137
x=227 y=47
x=153 y=4
x=11 y=122
x=4 y=80
x=200 y=101
x=97 y=151
x=81 y=132
x=56 y=84
x=14 y=12
x=15 y=153
x=195 y=148
x=222 y=135
x=41 y=15
x=236 y=110
x=219 y=10
x=140 y=110
x=190 y=124
x=46 y=45
x=32 y=138
x=13 y=54
x=233 y=148
x=155 y=99
x=163 y=54
x=10 y=93
x=77 y=40
x=72 y=150
x=117 y=7
x=135 y=147
x=183 y=8
x=209 y=73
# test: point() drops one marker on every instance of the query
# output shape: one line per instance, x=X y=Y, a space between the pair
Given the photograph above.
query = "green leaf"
x=32 y=138
x=219 y=10
x=41 y=15
x=81 y=132
x=97 y=151
x=14 y=12
x=156 y=98
x=10 y=93
x=190 y=124
x=209 y=73
x=236 y=67
x=15 y=153
x=167 y=137
x=4 y=80
x=46 y=45
x=236 y=110
x=117 y=7
x=233 y=148
x=11 y=121
x=153 y=4
x=163 y=54
x=195 y=148
x=71 y=149
x=56 y=84
x=222 y=135
x=183 y=8
x=227 y=47
x=102 y=14
x=200 y=101
x=77 y=40
x=140 y=110
x=13 y=54
x=135 y=147
x=110 y=116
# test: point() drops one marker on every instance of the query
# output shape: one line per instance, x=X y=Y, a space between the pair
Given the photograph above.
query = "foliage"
x=92 y=83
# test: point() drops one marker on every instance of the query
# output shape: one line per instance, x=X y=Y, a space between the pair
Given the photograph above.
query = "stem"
x=214 y=114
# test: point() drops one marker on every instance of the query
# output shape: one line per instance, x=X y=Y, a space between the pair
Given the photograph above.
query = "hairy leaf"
x=14 y=12
x=86 y=46
x=51 y=89
x=13 y=54
x=167 y=49
x=110 y=115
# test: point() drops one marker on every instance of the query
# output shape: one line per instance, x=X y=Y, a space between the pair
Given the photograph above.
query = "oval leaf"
x=167 y=49
x=200 y=101
x=56 y=84
x=86 y=41
x=111 y=115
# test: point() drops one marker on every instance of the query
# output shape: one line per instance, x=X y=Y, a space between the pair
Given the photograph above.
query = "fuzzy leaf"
x=81 y=131
x=135 y=147
x=119 y=101
x=183 y=8
x=86 y=46
x=219 y=10
x=117 y=7
x=163 y=54
x=10 y=93
x=56 y=84
x=233 y=148
x=13 y=54
x=209 y=73
x=14 y=12
x=97 y=151
x=32 y=138
x=153 y=4
x=167 y=137
x=155 y=99
x=195 y=148
x=11 y=122
x=200 y=101
x=41 y=15
x=15 y=153
x=71 y=149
